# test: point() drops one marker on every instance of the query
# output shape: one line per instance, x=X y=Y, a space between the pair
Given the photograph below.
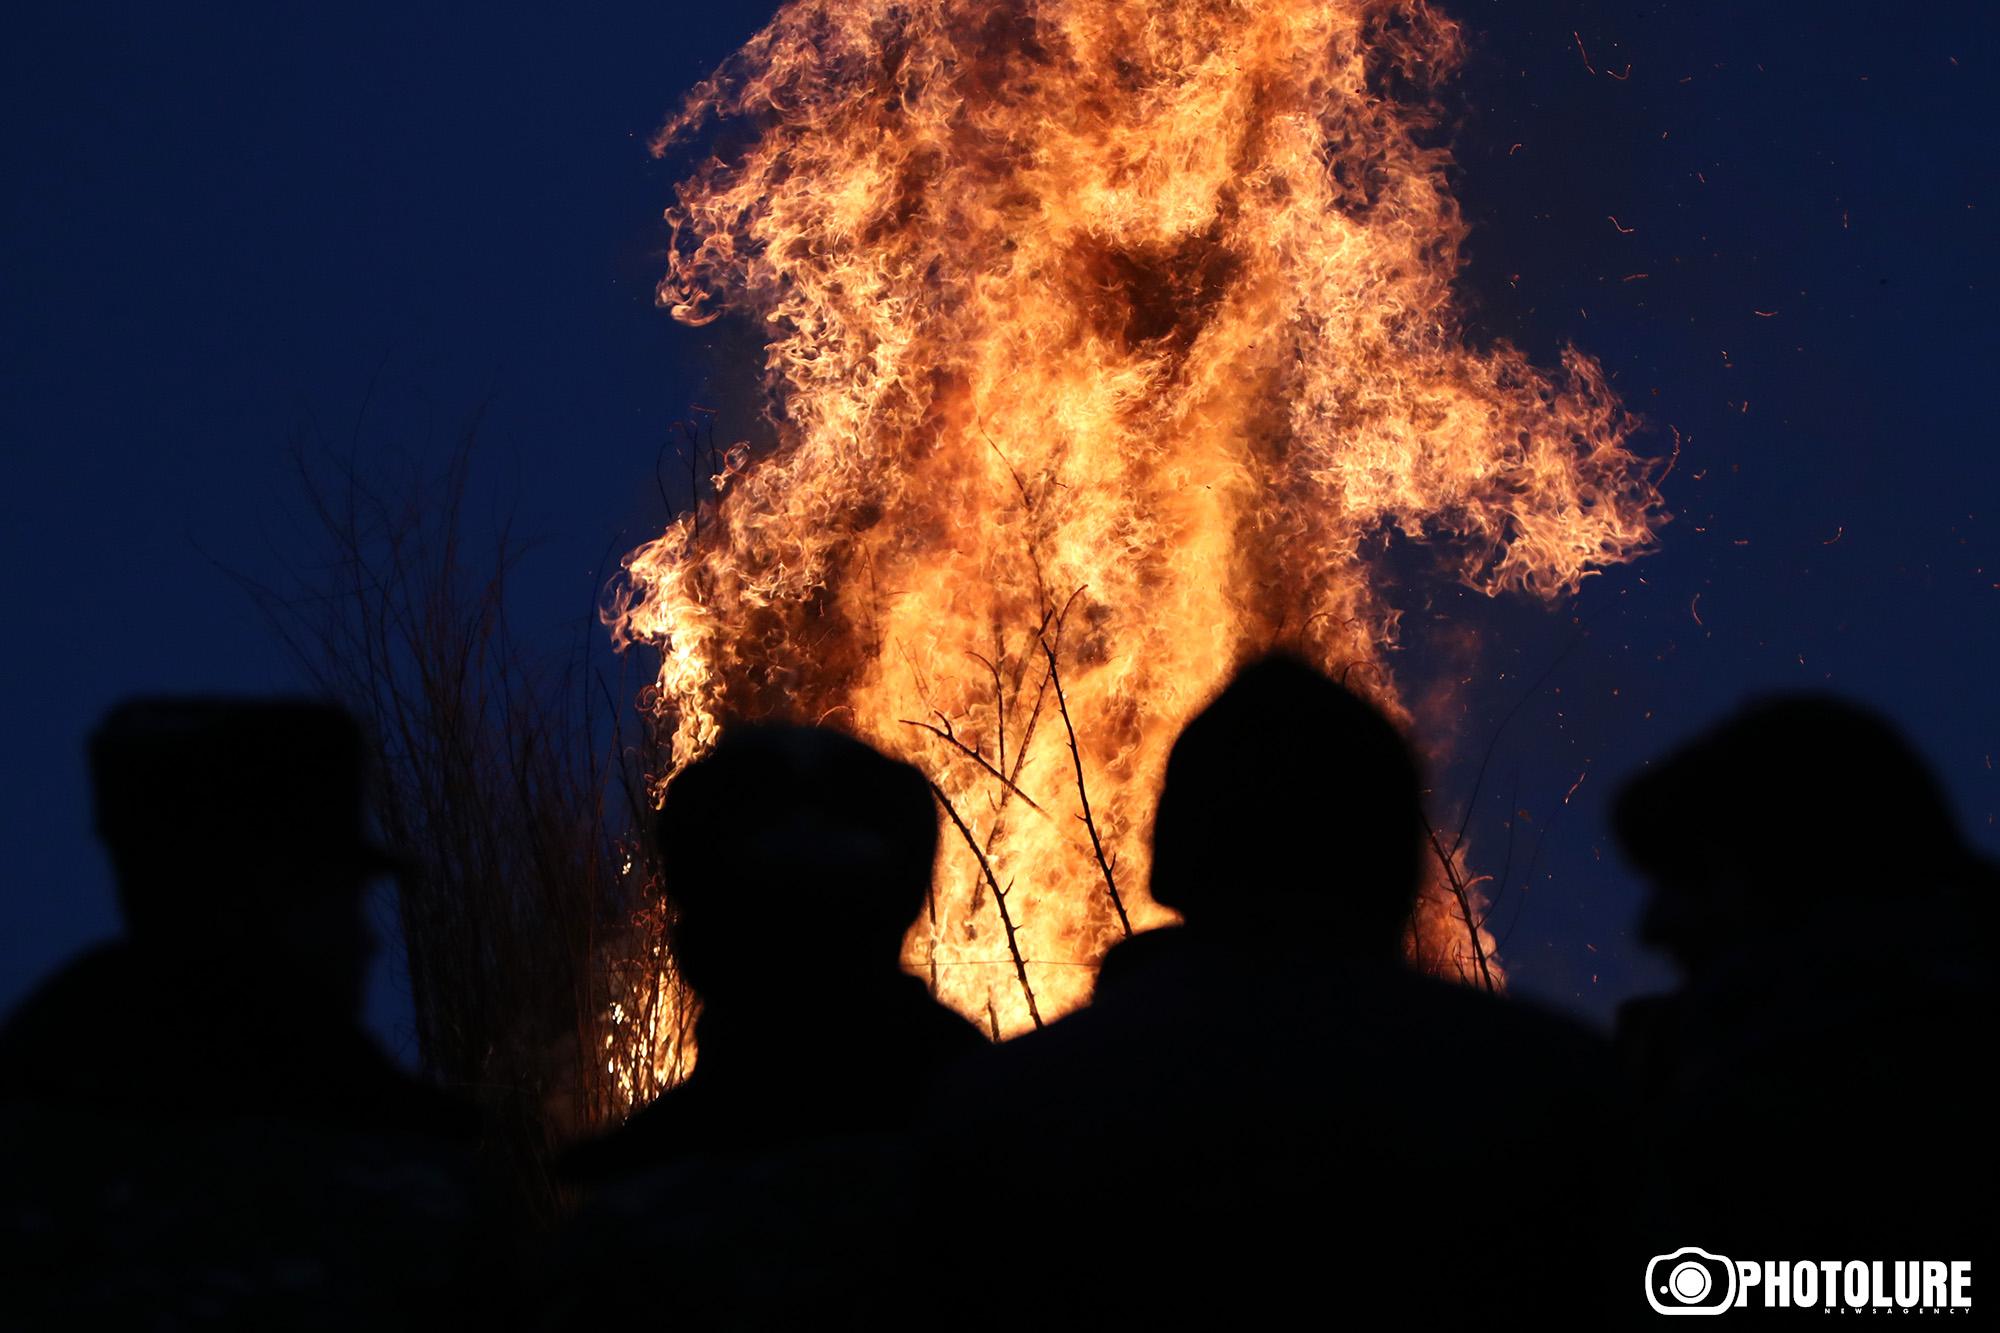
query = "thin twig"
x=1528 y=875
x=999 y=703
x=1458 y=890
x=950 y=737
x=999 y=901
x=1083 y=793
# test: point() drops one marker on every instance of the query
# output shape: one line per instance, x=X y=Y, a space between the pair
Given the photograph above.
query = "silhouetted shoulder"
x=165 y=1168
x=188 y=1054
x=777 y=1094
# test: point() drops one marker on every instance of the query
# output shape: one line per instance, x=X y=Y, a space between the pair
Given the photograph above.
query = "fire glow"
x=1104 y=343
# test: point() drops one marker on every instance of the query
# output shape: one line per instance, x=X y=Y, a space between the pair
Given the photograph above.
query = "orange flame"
x=1102 y=340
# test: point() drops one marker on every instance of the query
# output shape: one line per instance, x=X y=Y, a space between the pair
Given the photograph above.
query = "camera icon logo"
x=1690 y=1281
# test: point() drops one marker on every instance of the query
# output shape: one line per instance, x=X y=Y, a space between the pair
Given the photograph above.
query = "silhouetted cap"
x=794 y=840
x=1802 y=793
x=1289 y=784
x=226 y=785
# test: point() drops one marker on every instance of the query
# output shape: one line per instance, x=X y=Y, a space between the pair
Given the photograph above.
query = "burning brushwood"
x=1149 y=301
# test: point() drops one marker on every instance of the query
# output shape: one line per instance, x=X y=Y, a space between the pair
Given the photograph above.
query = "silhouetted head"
x=795 y=859
x=1289 y=796
x=1790 y=806
x=237 y=832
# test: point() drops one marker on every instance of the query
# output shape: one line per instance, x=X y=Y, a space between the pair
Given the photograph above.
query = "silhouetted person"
x=194 y=1129
x=1809 y=1087
x=1265 y=1118
x=762 y=1191
x=795 y=861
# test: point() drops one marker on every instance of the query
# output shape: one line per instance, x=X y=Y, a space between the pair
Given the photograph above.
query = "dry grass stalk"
x=536 y=951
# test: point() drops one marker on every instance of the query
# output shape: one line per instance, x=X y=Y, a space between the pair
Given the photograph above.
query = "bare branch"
x=1083 y=792
x=999 y=901
x=1461 y=892
x=949 y=737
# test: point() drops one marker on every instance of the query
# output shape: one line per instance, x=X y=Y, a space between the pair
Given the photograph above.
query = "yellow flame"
x=1106 y=334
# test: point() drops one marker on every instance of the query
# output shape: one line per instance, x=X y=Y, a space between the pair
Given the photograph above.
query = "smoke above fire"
x=1105 y=344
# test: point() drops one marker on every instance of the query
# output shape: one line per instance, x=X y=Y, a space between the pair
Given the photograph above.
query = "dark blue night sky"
x=1773 y=223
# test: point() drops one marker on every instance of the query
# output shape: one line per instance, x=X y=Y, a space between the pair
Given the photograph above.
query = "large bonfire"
x=1104 y=344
